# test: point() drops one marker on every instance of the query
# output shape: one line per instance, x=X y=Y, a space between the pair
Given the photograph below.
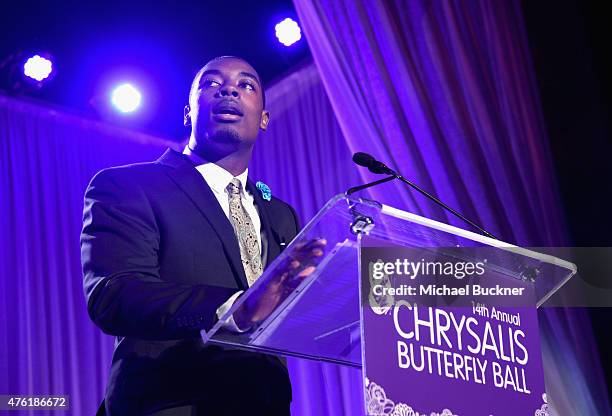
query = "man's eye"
x=210 y=83
x=248 y=86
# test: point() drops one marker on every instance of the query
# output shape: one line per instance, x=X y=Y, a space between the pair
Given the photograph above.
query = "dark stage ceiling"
x=158 y=45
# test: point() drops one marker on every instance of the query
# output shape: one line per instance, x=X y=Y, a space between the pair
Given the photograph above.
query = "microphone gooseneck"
x=368 y=161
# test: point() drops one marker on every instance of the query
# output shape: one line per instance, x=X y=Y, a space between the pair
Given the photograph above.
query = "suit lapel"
x=193 y=184
x=263 y=208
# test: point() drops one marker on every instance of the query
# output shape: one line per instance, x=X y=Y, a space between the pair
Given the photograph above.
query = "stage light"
x=288 y=32
x=37 y=68
x=126 y=98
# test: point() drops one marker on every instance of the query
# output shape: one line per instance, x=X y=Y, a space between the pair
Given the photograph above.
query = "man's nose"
x=227 y=90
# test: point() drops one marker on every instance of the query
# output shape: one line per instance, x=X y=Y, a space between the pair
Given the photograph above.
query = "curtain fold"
x=303 y=156
x=48 y=345
x=444 y=91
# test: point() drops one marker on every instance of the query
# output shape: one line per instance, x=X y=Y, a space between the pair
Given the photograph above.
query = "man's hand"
x=300 y=264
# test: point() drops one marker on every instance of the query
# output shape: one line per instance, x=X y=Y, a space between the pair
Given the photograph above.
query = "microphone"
x=375 y=166
x=368 y=161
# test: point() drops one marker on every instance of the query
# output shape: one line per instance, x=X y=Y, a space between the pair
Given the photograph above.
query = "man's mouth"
x=227 y=112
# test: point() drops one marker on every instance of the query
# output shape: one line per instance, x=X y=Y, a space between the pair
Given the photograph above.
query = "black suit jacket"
x=159 y=257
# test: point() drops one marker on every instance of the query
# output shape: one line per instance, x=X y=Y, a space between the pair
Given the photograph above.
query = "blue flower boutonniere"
x=265 y=190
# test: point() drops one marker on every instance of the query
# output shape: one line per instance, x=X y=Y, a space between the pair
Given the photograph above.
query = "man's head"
x=226 y=106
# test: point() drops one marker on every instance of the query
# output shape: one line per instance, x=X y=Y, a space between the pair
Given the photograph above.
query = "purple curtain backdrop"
x=444 y=90
x=48 y=345
x=303 y=156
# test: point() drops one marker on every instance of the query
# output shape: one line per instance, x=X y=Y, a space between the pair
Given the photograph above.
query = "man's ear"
x=265 y=119
x=187 y=116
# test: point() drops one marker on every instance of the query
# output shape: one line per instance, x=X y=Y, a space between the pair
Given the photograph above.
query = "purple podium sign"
x=437 y=344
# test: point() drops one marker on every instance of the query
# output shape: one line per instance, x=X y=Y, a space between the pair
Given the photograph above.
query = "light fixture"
x=126 y=98
x=288 y=32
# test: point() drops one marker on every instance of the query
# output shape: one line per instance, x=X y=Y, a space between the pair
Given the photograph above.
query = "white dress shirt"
x=218 y=180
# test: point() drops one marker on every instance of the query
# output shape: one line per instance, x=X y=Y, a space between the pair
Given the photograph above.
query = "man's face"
x=226 y=104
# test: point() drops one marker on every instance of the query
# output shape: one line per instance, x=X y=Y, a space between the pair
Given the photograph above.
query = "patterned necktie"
x=245 y=233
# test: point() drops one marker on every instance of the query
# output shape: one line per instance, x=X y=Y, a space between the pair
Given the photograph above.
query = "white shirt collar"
x=217 y=178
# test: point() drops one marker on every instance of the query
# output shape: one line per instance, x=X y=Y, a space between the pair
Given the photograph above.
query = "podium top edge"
x=470 y=235
x=451 y=229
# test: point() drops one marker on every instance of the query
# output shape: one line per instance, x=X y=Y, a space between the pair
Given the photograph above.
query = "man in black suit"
x=161 y=260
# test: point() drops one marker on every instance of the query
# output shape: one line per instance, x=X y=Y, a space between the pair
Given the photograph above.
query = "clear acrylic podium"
x=320 y=318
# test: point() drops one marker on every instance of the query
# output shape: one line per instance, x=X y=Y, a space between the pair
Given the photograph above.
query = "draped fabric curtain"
x=303 y=156
x=444 y=91
x=48 y=345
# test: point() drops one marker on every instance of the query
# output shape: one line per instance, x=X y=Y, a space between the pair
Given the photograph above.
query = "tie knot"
x=234 y=186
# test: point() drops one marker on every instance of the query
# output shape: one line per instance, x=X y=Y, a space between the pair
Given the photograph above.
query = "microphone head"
x=363 y=159
x=373 y=165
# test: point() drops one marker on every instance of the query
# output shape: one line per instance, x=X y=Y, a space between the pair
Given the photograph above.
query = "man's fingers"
x=306 y=272
x=314 y=248
x=315 y=242
x=317 y=252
